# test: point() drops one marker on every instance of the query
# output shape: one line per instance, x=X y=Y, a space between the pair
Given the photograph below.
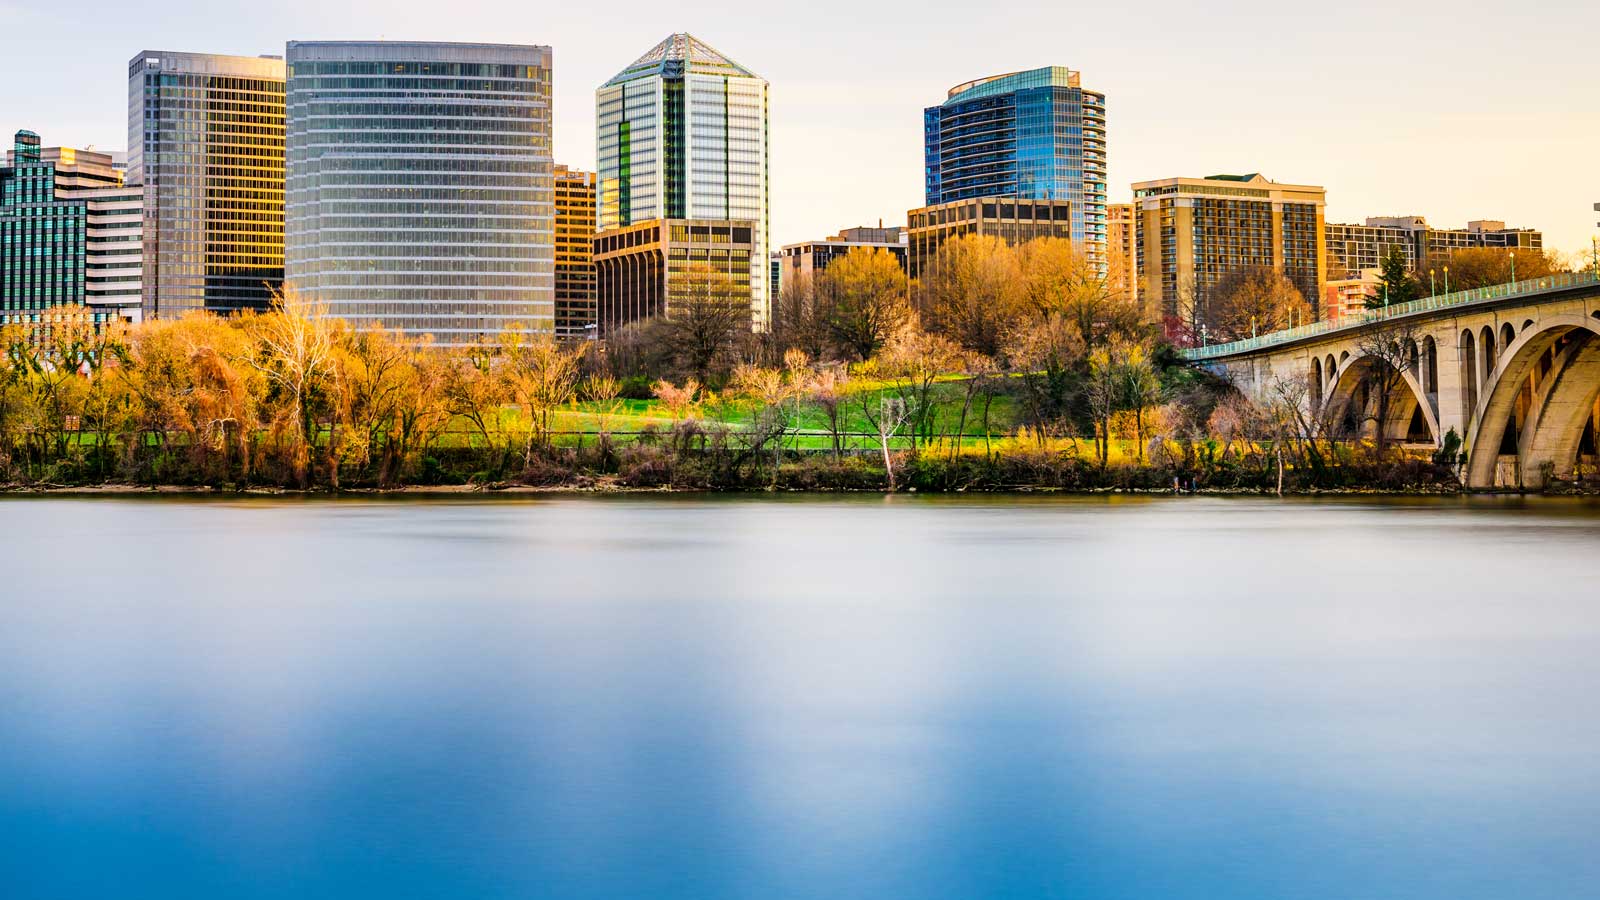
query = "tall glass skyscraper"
x=205 y=138
x=421 y=190
x=1035 y=135
x=682 y=134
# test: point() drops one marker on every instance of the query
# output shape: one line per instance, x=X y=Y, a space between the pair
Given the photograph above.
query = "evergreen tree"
x=1395 y=282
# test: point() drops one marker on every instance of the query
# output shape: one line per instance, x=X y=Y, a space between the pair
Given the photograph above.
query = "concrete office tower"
x=575 y=275
x=681 y=134
x=205 y=138
x=1192 y=232
x=69 y=234
x=421 y=186
x=1034 y=135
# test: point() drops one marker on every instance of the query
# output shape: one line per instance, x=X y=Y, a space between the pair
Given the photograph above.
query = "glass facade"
x=420 y=190
x=682 y=134
x=69 y=234
x=41 y=237
x=205 y=137
x=1035 y=135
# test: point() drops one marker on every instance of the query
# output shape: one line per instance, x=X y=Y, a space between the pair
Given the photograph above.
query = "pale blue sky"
x=1453 y=110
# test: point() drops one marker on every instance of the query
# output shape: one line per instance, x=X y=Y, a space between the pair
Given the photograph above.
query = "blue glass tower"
x=1035 y=135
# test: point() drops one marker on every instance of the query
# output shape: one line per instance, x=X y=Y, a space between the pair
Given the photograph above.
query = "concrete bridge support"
x=1517 y=379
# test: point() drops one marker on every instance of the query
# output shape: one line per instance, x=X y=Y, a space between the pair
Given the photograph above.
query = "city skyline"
x=847 y=143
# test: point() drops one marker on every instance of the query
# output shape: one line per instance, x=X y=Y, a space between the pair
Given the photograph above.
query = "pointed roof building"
x=681 y=141
x=680 y=53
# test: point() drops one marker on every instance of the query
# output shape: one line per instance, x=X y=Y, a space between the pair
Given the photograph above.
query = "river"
x=687 y=697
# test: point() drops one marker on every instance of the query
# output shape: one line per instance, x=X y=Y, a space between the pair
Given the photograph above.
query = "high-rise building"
x=1013 y=221
x=1122 y=255
x=575 y=275
x=1193 y=232
x=645 y=269
x=1034 y=135
x=1352 y=248
x=681 y=134
x=421 y=185
x=205 y=138
x=69 y=234
x=808 y=258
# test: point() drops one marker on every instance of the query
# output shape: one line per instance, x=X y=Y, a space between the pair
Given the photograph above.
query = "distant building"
x=1343 y=298
x=575 y=276
x=681 y=136
x=808 y=258
x=1033 y=135
x=1193 y=232
x=205 y=138
x=1352 y=248
x=645 y=269
x=1122 y=254
x=69 y=234
x=775 y=275
x=1008 y=218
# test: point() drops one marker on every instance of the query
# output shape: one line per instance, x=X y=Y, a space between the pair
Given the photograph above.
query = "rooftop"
x=1049 y=76
x=680 y=53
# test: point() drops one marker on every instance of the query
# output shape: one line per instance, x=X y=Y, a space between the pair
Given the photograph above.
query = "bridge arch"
x=1536 y=403
x=1410 y=415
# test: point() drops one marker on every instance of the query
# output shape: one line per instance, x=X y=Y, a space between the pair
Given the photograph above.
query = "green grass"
x=634 y=415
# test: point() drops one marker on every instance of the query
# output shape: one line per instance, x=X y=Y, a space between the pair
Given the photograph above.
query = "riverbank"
x=612 y=487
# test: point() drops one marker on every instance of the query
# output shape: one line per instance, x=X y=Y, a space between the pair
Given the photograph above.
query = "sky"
x=1452 y=110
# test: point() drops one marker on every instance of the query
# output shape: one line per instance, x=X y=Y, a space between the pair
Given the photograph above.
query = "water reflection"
x=690 y=697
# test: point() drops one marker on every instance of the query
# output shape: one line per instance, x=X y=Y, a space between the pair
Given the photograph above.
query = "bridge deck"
x=1528 y=289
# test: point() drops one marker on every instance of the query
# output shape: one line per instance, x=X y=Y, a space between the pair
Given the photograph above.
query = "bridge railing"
x=1526 y=287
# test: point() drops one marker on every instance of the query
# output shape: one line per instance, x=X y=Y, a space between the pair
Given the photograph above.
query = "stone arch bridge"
x=1514 y=369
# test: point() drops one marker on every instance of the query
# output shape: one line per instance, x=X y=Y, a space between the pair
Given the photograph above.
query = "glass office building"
x=69 y=234
x=420 y=188
x=205 y=138
x=1035 y=135
x=682 y=134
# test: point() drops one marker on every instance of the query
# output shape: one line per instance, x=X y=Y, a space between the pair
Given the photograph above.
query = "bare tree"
x=826 y=390
x=295 y=349
x=886 y=420
x=706 y=320
x=542 y=376
x=862 y=301
x=1254 y=301
x=972 y=293
x=1056 y=279
x=1390 y=351
x=1046 y=353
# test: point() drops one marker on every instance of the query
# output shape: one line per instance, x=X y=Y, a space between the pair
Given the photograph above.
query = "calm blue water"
x=767 y=698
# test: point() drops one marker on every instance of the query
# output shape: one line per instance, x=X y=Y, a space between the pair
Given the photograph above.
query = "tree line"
x=899 y=383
